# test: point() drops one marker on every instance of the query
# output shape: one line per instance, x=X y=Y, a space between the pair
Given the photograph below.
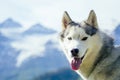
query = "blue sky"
x=49 y=12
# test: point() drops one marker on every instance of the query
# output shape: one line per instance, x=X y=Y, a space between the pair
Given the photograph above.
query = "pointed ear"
x=92 y=19
x=65 y=20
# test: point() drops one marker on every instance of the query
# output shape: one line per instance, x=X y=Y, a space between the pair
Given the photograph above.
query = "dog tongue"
x=75 y=64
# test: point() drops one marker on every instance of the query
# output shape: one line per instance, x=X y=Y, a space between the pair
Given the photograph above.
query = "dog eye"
x=69 y=38
x=84 y=38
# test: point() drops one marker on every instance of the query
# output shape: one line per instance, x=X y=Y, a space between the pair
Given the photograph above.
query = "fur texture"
x=90 y=52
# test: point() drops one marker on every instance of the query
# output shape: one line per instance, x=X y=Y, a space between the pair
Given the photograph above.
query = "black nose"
x=75 y=52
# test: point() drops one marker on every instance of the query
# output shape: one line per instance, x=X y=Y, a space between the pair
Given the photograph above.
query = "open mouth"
x=76 y=61
x=75 y=64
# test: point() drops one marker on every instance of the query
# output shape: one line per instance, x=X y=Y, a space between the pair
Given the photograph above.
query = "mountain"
x=63 y=74
x=36 y=66
x=116 y=33
x=52 y=60
x=38 y=29
x=117 y=30
x=7 y=58
x=10 y=23
x=3 y=38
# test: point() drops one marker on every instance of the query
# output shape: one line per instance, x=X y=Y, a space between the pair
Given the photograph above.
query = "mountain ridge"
x=116 y=34
x=10 y=23
x=39 y=29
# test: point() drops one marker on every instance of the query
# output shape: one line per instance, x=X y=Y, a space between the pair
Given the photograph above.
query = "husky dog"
x=90 y=52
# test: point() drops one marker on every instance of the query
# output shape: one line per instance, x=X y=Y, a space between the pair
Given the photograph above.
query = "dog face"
x=78 y=38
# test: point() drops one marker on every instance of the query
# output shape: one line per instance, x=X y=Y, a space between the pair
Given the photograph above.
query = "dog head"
x=78 y=38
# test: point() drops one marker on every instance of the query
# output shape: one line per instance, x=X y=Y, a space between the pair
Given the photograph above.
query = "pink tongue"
x=75 y=64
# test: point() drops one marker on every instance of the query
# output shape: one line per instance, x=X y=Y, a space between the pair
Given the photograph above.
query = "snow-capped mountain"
x=10 y=28
x=116 y=33
x=65 y=74
x=10 y=23
x=21 y=59
x=2 y=38
x=7 y=57
x=38 y=29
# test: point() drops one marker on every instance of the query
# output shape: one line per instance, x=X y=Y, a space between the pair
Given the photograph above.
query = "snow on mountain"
x=38 y=29
x=64 y=74
x=116 y=34
x=10 y=23
x=10 y=28
x=7 y=57
x=2 y=38
x=32 y=55
x=38 y=46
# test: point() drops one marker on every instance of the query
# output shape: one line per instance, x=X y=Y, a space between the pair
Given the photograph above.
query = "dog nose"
x=75 y=52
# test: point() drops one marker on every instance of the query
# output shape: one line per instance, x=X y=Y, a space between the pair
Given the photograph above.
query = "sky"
x=49 y=12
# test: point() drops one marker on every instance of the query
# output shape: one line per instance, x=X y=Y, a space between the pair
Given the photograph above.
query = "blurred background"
x=29 y=47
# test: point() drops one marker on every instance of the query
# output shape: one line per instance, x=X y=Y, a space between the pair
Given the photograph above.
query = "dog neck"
x=95 y=55
x=88 y=62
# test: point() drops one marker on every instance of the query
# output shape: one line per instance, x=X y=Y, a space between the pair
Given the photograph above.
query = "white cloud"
x=25 y=55
x=31 y=46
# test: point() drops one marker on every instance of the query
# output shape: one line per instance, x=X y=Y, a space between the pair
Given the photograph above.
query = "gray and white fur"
x=92 y=49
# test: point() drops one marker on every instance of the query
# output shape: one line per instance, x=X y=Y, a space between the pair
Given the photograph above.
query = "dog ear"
x=65 y=20
x=92 y=19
